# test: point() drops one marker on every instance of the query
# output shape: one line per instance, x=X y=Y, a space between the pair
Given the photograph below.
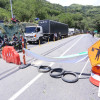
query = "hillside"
x=78 y=16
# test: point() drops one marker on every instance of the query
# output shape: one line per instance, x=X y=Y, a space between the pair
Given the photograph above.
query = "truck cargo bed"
x=51 y=27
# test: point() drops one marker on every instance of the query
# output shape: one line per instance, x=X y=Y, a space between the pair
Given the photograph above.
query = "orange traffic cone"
x=95 y=75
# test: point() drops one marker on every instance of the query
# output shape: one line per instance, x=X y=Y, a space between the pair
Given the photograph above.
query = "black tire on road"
x=44 y=69
x=59 y=72
x=68 y=80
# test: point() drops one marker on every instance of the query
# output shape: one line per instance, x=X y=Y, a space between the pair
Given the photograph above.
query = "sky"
x=69 y=2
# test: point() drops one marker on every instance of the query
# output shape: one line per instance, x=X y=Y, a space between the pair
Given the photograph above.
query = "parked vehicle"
x=71 y=31
x=45 y=29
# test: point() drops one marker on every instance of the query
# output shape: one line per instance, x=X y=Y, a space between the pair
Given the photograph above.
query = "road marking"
x=72 y=46
x=38 y=76
x=25 y=87
x=83 y=68
x=99 y=90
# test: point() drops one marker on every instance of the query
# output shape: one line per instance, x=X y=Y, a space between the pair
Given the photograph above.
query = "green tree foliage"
x=78 y=16
x=4 y=3
x=24 y=10
x=96 y=23
x=4 y=14
x=40 y=11
x=66 y=18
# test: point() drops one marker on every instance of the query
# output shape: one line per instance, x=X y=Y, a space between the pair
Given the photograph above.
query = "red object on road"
x=24 y=61
x=95 y=75
x=10 y=55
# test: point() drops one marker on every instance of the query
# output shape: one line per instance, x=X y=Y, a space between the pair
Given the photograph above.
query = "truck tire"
x=29 y=42
x=44 y=69
x=59 y=71
x=51 y=37
x=75 y=79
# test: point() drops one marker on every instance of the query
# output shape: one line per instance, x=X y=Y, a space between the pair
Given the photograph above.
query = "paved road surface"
x=29 y=84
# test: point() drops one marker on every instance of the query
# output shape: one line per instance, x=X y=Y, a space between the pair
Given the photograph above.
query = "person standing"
x=20 y=40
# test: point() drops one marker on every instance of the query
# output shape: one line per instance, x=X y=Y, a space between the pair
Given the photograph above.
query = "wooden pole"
x=62 y=37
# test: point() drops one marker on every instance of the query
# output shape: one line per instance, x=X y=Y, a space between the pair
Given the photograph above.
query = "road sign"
x=94 y=53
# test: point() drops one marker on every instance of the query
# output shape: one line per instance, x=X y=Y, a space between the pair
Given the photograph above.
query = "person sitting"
x=14 y=38
x=14 y=41
x=20 y=38
x=5 y=41
x=5 y=38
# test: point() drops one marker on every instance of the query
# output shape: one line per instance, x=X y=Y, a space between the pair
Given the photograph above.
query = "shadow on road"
x=8 y=74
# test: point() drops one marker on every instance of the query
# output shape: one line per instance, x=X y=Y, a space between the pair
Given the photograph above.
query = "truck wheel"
x=56 y=72
x=68 y=79
x=30 y=42
x=51 y=37
x=44 y=69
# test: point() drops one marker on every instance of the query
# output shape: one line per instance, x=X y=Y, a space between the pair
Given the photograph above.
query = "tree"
x=66 y=18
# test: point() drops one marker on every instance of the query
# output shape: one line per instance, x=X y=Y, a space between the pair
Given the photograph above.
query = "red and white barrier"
x=10 y=55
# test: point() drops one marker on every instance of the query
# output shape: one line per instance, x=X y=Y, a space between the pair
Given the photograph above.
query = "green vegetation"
x=78 y=16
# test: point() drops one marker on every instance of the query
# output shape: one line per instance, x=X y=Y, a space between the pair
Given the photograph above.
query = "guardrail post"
x=62 y=37
x=58 y=38
x=48 y=40
x=54 y=38
x=39 y=42
x=26 y=45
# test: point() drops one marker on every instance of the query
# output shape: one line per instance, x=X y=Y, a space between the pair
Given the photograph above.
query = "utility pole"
x=11 y=8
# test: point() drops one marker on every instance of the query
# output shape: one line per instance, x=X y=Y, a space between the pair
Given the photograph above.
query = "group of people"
x=17 y=43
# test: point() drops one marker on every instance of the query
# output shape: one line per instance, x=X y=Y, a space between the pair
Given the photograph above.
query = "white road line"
x=71 y=46
x=25 y=87
x=38 y=76
x=99 y=90
x=83 y=68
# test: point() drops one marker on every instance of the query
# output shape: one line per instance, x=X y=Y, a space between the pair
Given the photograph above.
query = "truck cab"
x=33 y=33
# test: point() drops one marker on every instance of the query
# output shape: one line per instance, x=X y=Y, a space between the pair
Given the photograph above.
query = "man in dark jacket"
x=14 y=38
x=4 y=41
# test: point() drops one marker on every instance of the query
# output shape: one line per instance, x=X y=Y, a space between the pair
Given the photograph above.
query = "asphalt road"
x=29 y=84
